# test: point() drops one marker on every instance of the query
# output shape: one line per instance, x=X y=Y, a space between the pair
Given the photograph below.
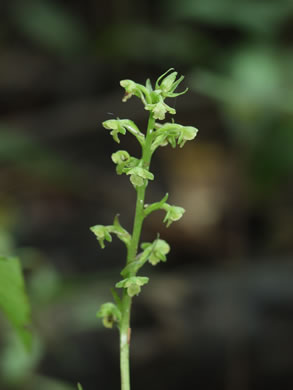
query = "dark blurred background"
x=219 y=314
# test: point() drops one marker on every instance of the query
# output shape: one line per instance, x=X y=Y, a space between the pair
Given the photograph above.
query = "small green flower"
x=130 y=89
x=139 y=175
x=187 y=133
x=169 y=84
x=102 y=233
x=136 y=89
x=174 y=134
x=160 y=109
x=115 y=126
x=160 y=248
x=120 y=157
x=133 y=284
x=173 y=213
x=121 y=126
x=110 y=314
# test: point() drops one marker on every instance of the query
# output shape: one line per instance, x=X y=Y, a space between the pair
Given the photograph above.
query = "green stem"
x=132 y=251
x=125 y=341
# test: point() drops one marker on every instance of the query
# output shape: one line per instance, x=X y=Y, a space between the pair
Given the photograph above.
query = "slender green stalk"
x=125 y=330
x=125 y=341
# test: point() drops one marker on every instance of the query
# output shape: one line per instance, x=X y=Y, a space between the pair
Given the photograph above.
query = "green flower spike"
x=102 y=233
x=173 y=213
x=133 y=284
x=157 y=133
x=110 y=314
x=139 y=175
x=160 y=248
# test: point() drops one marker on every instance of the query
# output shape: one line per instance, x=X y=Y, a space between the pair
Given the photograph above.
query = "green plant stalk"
x=125 y=330
x=157 y=134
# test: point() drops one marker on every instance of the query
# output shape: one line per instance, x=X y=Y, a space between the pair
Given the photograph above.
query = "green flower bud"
x=167 y=83
x=133 y=284
x=102 y=233
x=120 y=157
x=173 y=213
x=139 y=175
x=110 y=314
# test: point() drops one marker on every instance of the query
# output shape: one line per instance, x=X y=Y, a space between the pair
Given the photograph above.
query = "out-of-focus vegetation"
x=60 y=65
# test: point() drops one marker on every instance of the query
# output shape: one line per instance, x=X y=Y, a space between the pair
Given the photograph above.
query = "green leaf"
x=13 y=298
x=79 y=387
x=117 y=299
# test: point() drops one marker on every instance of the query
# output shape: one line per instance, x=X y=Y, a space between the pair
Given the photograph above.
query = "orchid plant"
x=138 y=169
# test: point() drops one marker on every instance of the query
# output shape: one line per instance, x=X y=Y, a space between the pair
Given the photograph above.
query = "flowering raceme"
x=138 y=170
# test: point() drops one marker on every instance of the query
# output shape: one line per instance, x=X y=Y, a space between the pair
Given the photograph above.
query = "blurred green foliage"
x=252 y=16
x=13 y=299
x=51 y=26
x=238 y=53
